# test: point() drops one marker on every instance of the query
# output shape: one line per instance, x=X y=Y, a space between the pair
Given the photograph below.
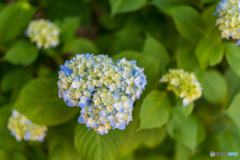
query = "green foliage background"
x=159 y=34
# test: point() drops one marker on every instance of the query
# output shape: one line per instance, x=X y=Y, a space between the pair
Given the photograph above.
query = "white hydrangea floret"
x=44 y=32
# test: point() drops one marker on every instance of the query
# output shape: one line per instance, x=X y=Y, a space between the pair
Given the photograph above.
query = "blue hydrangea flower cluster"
x=105 y=91
x=229 y=19
x=23 y=128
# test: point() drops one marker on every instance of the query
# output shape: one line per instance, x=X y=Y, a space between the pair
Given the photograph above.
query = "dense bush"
x=191 y=59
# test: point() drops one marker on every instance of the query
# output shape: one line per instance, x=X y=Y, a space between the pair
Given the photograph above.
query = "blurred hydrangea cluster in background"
x=185 y=85
x=23 y=128
x=44 y=32
x=105 y=90
x=229 y=19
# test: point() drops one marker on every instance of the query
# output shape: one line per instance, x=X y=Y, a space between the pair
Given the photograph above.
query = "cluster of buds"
x=104 y=90
x=185 y=85
x=229 y=19
x=23 y=128
x=44 y=32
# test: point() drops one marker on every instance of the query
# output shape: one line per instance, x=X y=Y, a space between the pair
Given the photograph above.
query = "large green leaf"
x=80 y=46
x=129 y=37
x=127 y=157
x=155 y=48
x=130 y=138
x=164 y=4
x=181 y=152
x=186 y=110
x=150 y=64
x=209 y=52
x=123 y=6
x=210 y=19
x=187 y=60
x=3 y=155
x=14 y=80
x=68 y=28
x=233 y=83
x=14 y=18
x=234 y=110
x=233 y=57
x=91 y=145
x=229 y=141
x=38 y=101
x=207 y=1
x=188 y=130
x=23 y=52
x=156 y=157
x=154 y=137
x=62 y=148
x=214 y=86
x=61 y=8
x=187 y=21
x=155 y=109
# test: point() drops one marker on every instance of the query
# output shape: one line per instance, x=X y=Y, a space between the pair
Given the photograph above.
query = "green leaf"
x=62 y=148
x=214 y=87
x=187 y=60
x=18 y=156
x=233 y=110
x=187 y=21
x=38 y=101
x=156 y=157
x=186 y=110
x=210 y=19
x=156 y=49
x=187 y=130
x=209 y=52
x=14 y=80
x=68 y=27
x=181 y=152
x=123 y=6
x=91 y=145
x=154 y=137
x=233 y=83
x=163 y=4
x=60 y=8
x=127 y=157
x=233 y=57
x=207 y=1
x=229 y=141
x=155 y=109
x=111 y=23
x=14 y=19
x=44 y=71
x=3 y=155
x=130 y=138
x=22 y=52
x=129 y=37
x=80 y=46
x=149 y=63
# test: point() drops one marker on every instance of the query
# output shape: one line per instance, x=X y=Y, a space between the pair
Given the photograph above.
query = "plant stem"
x=57 y=58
